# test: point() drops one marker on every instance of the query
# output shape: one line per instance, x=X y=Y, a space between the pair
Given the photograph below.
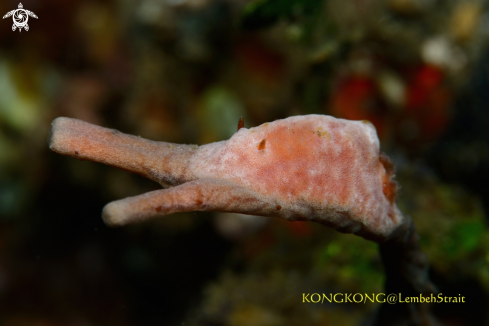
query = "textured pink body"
x=312 y=167
x=315 y=168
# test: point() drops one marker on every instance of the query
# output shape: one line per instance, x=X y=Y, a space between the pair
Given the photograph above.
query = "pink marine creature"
x=310 y=168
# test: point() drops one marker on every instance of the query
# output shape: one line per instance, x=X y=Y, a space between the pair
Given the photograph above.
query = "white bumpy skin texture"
x=314 y=167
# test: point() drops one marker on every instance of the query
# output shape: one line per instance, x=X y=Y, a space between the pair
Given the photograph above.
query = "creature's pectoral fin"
x=198 y=195
x=26 y=27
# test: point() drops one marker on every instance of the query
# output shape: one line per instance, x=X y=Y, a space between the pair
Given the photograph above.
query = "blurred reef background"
x=184 y=71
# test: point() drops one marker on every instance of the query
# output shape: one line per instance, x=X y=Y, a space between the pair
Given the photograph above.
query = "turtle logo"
x=20 y=16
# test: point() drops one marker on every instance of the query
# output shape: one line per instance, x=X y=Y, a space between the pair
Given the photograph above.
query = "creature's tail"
x=159 y=161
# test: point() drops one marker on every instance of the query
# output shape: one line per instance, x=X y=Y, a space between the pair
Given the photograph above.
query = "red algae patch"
x=240 y=123
x=389 y=185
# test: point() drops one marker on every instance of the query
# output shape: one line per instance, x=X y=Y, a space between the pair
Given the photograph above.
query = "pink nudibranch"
x=315 y=168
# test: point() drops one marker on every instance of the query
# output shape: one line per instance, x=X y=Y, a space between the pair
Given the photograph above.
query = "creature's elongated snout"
x=162 y=162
